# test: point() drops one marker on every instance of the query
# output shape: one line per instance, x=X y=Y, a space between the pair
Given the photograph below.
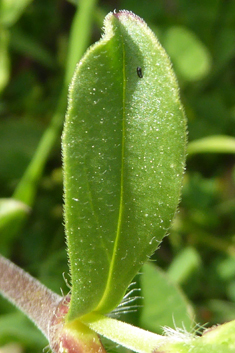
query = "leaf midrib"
x=119 y=222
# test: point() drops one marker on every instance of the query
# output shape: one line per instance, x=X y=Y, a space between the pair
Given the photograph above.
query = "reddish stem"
x=32 y=297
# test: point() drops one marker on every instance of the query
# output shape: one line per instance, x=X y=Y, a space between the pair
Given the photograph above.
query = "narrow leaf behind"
x=123 y=152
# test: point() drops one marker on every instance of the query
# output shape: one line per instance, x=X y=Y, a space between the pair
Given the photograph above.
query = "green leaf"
x=218 y=339
x=11 y=10
x=4 y=59
x=9 y=209
x=183 y=265
x=164 y=303
x=12 y=212
x=190 y=56
x=212 y=144
x=82 y=24
x=123 y=154
x=16 y=327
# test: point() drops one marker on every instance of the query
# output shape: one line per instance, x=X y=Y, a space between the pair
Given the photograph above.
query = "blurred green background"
x=38 y=52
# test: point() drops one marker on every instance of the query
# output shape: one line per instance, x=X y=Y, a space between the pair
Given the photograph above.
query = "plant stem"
x=26 y=189
x=79 y=36
x=126 y=335
x=78 y=42
x=32 y=297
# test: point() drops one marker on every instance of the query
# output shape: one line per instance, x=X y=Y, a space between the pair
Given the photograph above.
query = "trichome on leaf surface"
x=123 y=156
x=123 y=159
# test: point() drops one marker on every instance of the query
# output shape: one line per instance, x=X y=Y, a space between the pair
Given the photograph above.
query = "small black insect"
x=139 y=72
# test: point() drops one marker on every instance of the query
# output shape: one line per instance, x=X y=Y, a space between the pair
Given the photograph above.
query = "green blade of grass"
x=27 y=187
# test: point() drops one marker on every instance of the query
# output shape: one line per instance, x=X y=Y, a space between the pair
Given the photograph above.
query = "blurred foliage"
x=199 y=253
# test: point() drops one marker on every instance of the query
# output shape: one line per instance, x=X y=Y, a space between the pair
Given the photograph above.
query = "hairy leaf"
x=123 y=154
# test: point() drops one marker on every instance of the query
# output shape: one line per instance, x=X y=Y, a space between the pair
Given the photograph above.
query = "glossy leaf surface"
x=123 y=153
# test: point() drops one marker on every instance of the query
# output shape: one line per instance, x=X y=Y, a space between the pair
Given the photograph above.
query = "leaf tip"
x=125 y=13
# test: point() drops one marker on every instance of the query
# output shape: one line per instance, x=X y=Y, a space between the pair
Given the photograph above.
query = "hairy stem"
x=33 y=298
x=131 y=337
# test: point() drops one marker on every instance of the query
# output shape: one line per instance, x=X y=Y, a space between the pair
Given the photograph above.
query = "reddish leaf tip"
x=126 y=13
